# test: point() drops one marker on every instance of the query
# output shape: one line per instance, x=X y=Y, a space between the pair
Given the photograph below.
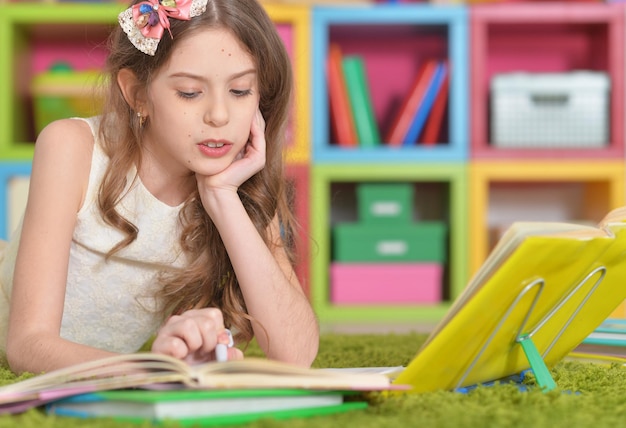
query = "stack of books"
x=156 y=387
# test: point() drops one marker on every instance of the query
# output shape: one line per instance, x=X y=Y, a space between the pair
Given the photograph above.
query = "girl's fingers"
x=257 y=131
x=249 y=161
x=170 y=345
x=235 y=354
x=192 y=335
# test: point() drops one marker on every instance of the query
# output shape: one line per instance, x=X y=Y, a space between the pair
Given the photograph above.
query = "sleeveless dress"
x=109 y=304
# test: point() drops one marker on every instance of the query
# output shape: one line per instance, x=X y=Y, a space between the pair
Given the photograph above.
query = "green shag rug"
x=588 y=395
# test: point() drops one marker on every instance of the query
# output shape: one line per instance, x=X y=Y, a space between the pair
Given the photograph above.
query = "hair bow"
x=145 y=22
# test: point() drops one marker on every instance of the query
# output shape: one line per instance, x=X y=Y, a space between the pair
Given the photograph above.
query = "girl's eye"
x=187 y=95
x=241 y=92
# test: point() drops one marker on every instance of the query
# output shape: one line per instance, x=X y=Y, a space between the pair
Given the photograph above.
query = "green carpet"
x=589 y=395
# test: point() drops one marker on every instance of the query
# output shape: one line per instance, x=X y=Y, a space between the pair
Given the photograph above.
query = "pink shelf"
x=545 y=37
x=299 y=177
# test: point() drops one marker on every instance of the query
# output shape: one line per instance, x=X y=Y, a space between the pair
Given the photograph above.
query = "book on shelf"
x=423 y=110
x=432 y=129
x=609 y=338
x=150 y=370
x=225 y=406
x=342 y=122
x=542 y=290
x=403 y=119
x=355 y=75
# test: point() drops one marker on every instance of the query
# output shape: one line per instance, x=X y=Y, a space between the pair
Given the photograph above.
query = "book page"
x=256 y=372
x=119 y=371
x=618 y=215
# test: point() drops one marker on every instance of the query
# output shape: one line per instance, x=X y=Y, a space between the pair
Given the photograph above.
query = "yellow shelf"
x=602 y=182
x=298 y=17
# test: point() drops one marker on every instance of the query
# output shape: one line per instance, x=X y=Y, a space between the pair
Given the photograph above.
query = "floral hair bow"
x=145 y=22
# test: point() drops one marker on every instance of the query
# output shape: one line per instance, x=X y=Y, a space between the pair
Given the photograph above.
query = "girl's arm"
x=60 y=173
x=58 y=184
x=287 y=328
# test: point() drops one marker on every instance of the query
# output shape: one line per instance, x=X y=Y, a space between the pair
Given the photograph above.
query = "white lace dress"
x=109 y=304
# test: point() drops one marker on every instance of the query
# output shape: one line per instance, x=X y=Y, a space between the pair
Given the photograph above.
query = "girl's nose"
x=216 y=113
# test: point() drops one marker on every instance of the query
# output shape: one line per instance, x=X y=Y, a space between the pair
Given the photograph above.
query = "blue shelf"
x=8 y=171
x=451 y=20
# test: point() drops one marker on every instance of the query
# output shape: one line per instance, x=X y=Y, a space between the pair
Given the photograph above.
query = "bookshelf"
x=552 y=37
x=394 y=41
x=462 y=181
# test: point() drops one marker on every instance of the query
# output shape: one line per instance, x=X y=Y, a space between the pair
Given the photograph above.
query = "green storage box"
x=385 y=202
x=419 y=242
x=61 y=93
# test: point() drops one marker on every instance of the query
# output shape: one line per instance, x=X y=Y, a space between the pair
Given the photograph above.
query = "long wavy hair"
x=208 y=280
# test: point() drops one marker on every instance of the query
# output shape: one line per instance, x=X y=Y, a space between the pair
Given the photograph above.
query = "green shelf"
x=454 y=176
x=20 y=23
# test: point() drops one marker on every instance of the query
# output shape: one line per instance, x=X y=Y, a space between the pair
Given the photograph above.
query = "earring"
x=142 y=119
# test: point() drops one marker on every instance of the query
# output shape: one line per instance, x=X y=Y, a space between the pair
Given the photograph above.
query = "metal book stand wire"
x=535 y=358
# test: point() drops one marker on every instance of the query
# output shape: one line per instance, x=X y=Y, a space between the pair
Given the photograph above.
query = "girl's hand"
x=247 y=162
x=193 y=335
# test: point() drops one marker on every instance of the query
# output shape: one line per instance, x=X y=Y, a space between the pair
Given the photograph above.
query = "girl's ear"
x=131 y=88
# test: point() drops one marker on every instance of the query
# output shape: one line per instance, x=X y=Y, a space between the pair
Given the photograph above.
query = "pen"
x=221 y=349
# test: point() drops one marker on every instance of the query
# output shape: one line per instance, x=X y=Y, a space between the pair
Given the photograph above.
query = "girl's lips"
x=214 y=149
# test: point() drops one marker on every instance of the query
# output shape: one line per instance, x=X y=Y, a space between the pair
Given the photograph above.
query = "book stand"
x=535 y=358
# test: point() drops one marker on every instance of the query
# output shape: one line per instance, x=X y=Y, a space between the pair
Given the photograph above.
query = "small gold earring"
x=142 y=119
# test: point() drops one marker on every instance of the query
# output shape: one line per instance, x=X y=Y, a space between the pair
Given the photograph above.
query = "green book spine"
x=361 y=101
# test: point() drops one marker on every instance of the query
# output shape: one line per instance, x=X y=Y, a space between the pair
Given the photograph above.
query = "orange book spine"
x=406 y=113
x=342 y=122
x=433 y=124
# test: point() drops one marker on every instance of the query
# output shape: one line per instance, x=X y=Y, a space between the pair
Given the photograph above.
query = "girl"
x=166 y=216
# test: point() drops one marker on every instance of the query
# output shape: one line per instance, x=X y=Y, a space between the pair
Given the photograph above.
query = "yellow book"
x=552 y=283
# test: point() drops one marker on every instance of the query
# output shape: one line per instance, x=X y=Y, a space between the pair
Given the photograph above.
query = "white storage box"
x=550 y=110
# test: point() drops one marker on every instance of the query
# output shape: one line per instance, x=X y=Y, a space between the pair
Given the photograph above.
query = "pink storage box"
x=388 y=283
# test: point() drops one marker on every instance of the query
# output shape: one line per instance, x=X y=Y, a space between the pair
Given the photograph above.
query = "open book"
x=158 y=371
x=552 y=283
